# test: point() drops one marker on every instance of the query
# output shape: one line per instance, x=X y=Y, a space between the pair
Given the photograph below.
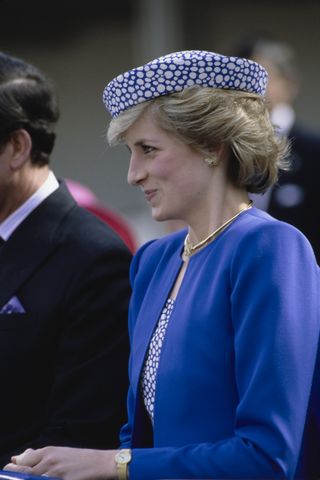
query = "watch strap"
x=122 y=459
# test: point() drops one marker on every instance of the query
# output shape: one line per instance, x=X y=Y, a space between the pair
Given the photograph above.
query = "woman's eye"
x=148 y=149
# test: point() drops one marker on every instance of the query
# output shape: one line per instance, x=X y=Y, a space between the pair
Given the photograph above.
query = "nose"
x=136 y=171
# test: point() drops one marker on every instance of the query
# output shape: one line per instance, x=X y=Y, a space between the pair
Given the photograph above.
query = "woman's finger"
x=29 y=457
x=13 y=467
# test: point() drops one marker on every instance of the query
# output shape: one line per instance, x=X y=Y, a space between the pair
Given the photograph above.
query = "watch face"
x=123 y=456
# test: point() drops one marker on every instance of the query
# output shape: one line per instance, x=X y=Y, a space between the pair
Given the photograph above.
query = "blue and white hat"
x=176 y=71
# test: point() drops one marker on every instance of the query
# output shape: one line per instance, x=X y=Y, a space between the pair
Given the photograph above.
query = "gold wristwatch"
x=122 y=459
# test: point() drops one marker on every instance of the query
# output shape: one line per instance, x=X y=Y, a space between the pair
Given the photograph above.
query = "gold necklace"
x=190 y=249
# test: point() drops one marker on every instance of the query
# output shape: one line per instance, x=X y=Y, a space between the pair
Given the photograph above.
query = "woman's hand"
x=66 y=463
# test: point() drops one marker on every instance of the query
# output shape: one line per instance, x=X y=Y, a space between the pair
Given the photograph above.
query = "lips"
x=149 y=194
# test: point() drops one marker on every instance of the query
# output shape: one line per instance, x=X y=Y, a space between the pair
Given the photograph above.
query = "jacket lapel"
x=151 y=308
x=32 y=242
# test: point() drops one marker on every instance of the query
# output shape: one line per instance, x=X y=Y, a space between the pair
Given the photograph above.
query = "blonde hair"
x=205 y=118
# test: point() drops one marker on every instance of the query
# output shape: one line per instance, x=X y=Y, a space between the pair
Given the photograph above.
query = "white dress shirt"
x=9 y=225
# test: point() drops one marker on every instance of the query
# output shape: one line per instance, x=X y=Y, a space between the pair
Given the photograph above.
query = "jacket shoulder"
x=83 y=228
x=149 y=254
x=261 y=234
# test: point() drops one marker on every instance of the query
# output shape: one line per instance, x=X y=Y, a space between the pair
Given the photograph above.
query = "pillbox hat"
x=180 y=70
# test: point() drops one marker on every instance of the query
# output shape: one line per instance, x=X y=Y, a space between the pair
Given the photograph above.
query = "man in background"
x=64 y=288
x=296 y=197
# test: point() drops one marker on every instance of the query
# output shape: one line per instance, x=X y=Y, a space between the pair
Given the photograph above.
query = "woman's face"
x=173 y=177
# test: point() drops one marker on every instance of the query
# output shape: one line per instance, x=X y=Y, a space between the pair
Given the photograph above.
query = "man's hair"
x=279 y=53
x=27 y=100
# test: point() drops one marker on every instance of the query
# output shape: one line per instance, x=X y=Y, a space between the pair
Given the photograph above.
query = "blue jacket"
x=237 y=362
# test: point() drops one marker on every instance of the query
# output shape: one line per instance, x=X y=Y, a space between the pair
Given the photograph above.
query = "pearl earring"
x=211 y=161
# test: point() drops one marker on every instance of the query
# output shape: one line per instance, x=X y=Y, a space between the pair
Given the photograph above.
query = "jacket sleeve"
x=274 y=300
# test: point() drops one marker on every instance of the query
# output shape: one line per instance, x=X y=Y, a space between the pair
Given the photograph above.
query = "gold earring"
x=211 y=161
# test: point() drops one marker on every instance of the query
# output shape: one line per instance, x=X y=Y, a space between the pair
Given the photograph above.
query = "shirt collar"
x=9 y=225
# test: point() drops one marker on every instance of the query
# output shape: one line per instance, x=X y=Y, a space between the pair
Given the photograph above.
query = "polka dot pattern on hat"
x=176 y=71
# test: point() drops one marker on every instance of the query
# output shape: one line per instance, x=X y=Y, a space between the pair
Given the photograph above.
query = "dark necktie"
x=2 y=242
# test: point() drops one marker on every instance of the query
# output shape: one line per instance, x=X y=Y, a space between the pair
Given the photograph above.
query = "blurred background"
x=82 y=46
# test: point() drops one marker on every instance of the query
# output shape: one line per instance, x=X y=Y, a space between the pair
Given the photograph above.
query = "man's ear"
x=21 y=146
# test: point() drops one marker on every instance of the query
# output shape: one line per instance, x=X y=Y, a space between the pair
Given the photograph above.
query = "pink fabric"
x=88 y=200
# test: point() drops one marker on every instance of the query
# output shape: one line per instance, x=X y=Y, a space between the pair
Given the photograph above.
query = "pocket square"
x=12 y=306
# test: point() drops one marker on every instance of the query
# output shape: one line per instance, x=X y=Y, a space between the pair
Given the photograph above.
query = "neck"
x=190 y=249
x=224 y=208
x=24 y=184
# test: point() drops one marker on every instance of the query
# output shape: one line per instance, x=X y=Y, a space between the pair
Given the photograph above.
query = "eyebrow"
x=139 y=143
x=142 y=142
x=145 y=141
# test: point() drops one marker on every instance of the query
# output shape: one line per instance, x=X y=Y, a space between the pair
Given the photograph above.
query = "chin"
x=159 y=216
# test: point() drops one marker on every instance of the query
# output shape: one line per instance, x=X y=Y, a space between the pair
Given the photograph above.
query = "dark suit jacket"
x=296 y=198
x=63 y=363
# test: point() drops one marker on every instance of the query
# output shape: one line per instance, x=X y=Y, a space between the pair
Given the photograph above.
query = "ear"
x=21 y=146
x=217 y=154
x=219 y=150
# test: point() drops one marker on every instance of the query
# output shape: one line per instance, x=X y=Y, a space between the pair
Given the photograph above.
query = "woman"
x=224 y=315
